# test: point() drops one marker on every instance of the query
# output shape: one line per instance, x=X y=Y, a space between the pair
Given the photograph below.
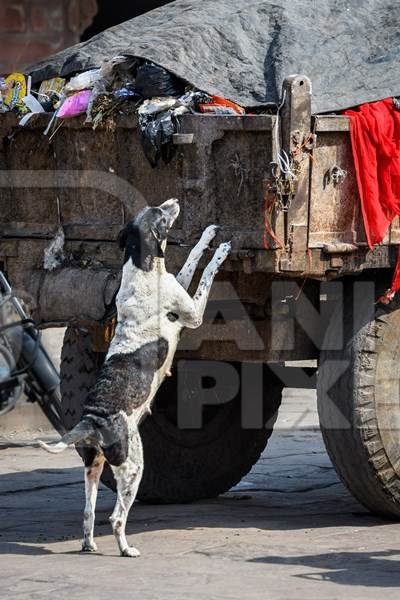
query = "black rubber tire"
x=180 y=466
x=366 y=454
x=78 y=370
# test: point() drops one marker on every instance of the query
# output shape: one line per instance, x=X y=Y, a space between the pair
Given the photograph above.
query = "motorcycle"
x=25 y=366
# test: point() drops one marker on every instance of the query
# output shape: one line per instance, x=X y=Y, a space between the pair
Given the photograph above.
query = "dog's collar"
x=158 y=265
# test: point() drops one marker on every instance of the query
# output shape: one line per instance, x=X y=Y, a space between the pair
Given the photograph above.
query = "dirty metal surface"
x=296 y=121
x=90 y=183
x=335 y=212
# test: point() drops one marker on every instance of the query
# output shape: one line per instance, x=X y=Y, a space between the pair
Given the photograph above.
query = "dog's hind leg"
x=128 y=477
x=185 y=275
x=92 y=478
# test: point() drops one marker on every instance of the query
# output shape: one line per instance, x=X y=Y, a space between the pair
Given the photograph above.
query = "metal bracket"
x=181 y=139
x=335 y=175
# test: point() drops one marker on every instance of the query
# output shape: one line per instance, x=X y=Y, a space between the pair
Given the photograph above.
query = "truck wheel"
x=78 y=370
x=180 y=465
x=359 y=409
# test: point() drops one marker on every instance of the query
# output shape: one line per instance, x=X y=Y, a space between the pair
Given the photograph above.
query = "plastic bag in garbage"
x=156 y=133
x=126 y=93
x=157 y=105
x=194 y=98
x=181 y=110
x=152 y=81
x=158 y=121
x=51 y=86
x=75 y=105
x=50 y=92
x=83 y=81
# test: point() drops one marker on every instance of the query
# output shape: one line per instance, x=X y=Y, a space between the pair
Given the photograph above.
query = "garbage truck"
x=280 y=182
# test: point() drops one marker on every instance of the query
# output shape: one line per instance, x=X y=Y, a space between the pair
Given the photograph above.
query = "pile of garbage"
x=156 y=96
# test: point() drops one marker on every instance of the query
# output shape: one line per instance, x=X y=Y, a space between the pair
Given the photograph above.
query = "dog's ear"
x=122 y=237
x=130 y=235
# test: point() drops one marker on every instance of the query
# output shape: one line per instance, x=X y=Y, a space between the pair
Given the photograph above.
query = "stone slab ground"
x=289 y=530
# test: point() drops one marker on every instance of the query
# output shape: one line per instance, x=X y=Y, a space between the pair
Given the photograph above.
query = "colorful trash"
x=75 y=105
x=221 y=106
x=14 y=89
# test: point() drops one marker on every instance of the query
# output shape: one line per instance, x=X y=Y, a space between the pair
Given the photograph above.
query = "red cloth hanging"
x=375 y=138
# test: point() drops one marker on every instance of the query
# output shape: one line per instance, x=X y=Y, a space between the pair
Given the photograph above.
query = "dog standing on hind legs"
x=153 y=307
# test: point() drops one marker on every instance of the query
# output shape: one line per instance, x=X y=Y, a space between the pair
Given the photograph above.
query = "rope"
x=270 y=202
x=276 y=126
x=285 y=165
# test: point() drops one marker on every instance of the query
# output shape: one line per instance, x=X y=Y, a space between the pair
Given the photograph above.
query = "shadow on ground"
x=372 y=569
x=44 y=506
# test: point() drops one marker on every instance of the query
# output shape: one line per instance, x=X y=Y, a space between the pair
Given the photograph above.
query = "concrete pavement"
x=289 y=530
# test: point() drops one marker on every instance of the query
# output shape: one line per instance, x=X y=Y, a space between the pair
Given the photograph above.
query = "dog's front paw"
x=209 y=234
x=87 y=547
x=222 y=252
x=131 y=552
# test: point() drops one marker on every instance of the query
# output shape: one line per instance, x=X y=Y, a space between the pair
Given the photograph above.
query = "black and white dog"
x=153 y=308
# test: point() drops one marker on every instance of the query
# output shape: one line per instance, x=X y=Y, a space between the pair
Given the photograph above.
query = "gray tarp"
x=243 y=49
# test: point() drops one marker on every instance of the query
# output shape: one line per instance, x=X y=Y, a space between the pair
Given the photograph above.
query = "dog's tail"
x=85 y=430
